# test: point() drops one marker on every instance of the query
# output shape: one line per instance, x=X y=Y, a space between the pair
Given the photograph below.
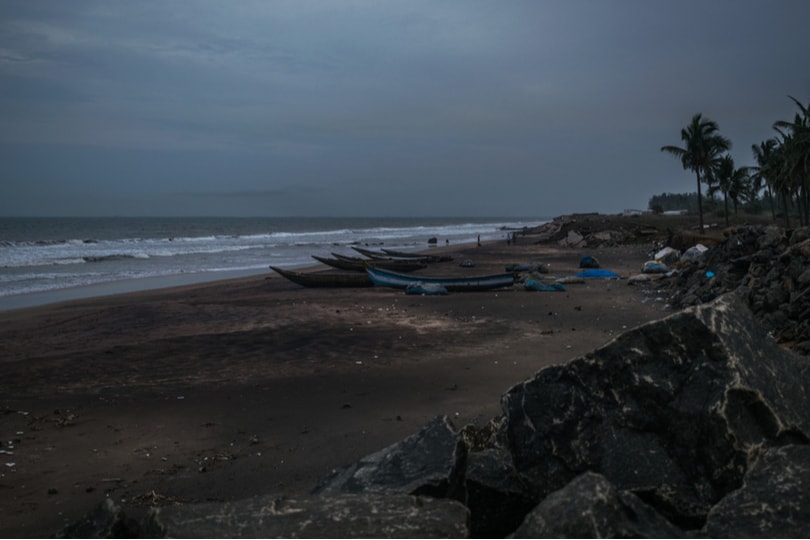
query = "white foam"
x=48 y=264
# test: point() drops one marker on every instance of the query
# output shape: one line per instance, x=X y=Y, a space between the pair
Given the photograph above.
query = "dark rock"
x=496 y=496
x=774 y=501
x=671 y=411
x=770 y=265
x=106 y=520
x=590 y=507
x=771 y=236
x=800 y=235
x=430 y=462
x=587 y=261
x=346 y=516
x=572 y=239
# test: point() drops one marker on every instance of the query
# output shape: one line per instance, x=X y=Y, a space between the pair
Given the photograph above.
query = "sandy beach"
x=256 y=385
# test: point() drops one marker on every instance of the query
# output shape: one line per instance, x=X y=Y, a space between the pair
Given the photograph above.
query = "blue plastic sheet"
x=532 y=285
x=598 y=273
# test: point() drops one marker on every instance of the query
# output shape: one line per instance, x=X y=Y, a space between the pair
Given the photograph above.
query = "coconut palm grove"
x=779 y=180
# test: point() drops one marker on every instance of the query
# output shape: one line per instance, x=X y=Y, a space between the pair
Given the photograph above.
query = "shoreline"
x=227 y=389
x=120 y=287
x=40 y=299
x=37 y=259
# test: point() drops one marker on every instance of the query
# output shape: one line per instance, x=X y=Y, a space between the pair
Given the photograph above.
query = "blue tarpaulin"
x=597 y=273
x=532 y=285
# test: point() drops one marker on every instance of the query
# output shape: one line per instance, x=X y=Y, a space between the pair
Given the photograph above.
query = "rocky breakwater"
x=670 y=423
x=594 y=230
x=769 y=267
x=696 y=425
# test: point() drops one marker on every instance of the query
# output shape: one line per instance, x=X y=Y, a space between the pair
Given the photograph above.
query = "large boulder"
x=590 y=507
x=773 y=502
x=674 y=411
x=430 y=462
x=572 y=239
x=496 y=496
x=106 y=520
x=346 y=516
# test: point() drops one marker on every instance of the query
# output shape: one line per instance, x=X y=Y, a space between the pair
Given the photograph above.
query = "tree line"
x=781 y=176
x=688 y=203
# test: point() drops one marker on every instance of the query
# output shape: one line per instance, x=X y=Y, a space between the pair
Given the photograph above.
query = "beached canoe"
x=326 y=279
x=396 y=280
x=390 y=254
x=359 y=265
x=371 y=254
x=421 y=257
x=404 y=262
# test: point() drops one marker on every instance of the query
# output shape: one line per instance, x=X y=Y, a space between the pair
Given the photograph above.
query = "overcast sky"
x=379 y=108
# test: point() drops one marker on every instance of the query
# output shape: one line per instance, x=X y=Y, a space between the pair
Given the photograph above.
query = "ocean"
x=51 y=259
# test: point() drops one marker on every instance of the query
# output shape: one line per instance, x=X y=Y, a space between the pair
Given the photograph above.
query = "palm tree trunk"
x=700 y=202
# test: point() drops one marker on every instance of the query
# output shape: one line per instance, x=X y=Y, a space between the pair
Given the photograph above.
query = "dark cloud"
x=357 y=107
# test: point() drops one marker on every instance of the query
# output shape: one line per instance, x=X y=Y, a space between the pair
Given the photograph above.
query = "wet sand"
x=256 y=385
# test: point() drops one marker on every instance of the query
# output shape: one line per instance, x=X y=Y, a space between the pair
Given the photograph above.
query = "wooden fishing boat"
x=339 y=263
x=389 y=254
x=326 y=279
x=420 y=256
x=396 y=280
x=402 y=262
x=360 y=265
x=370 y=253
x=347 y=257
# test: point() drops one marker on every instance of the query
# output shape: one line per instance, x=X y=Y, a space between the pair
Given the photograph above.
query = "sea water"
x=40 y=255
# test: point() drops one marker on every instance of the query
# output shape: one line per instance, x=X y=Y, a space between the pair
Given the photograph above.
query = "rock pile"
x=593 y=230
x=768 y=266
x=695 y=425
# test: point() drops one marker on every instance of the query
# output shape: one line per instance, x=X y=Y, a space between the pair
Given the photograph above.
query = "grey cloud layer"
x=359 y=99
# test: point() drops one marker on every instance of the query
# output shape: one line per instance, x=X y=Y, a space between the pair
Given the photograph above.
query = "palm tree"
x=795 y=154
x=740 y=186
x=763 y=174
x=782 y=182
x=732 y=181
x=701 y=145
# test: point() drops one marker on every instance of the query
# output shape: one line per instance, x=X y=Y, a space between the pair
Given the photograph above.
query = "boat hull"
x=360 y=266
x=396 y=280
x=325 y=279
x=425 y=258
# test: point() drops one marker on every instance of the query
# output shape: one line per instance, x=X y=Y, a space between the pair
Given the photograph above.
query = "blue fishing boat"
x=396 y=280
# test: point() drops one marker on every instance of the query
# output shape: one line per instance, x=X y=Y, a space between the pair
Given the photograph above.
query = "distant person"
x=479 y=240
